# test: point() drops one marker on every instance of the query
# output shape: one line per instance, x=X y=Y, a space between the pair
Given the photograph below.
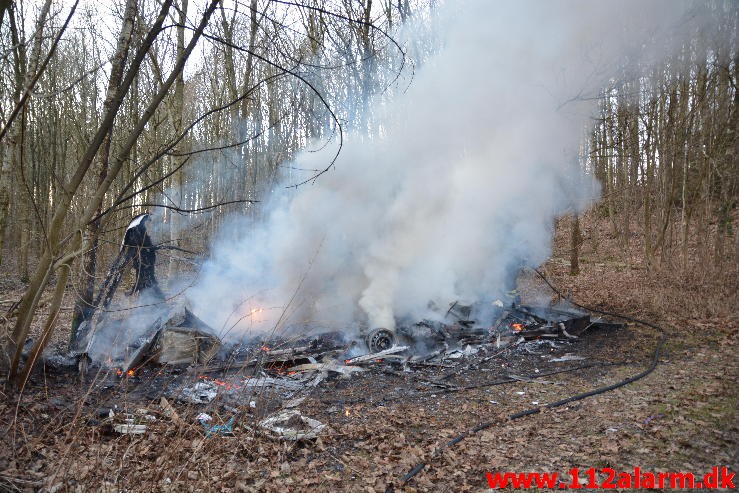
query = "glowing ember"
x=281 y=371
x=220 y=383
x=517 y=327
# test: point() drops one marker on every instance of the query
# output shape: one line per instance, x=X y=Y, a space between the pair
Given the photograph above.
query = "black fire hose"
x=577 y=397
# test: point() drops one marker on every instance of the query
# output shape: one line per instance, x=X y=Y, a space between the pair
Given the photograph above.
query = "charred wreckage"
x=167 y=354
x=180 y=358
x=176 y=337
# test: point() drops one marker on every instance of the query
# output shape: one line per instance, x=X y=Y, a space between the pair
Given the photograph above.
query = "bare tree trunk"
x=727 y=193
x=6 y=152
x=56 y=242
x=177 y=116
x=48 y=328
x=5 y=158
x=685 y=206
x=26 y=196
x=575 y=246
x=23 y=197
x=650 y=146
x=5 y=5
x=46 y=264
x=8 y=156
x=250 y=162
x=24 y=75
x=83 y=307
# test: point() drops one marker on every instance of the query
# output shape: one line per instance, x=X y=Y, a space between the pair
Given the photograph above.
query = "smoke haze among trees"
x=360 y=158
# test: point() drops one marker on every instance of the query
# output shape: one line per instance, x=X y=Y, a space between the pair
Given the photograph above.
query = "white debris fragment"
x=567 y=357
x=462 y=353
x=204 y=418
x=293 y=402
x=375 y=356
x=319 y=378
x=469 y=350
x=200 y=393
x=545 y=342
x=273 y=382
x=136 y=221
x=291 y=425
x=130 y=428
x=334 y=366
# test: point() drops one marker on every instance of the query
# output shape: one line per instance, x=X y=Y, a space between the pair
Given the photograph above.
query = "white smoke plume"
x=476 y=160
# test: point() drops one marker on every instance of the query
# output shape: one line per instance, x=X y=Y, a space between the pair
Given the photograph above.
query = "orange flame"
x=517 y=327
x=220 y=383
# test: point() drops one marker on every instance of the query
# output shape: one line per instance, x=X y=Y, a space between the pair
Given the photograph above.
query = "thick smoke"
x=476 y=160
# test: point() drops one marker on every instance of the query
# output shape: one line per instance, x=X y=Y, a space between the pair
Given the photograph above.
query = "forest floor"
x=380 y=424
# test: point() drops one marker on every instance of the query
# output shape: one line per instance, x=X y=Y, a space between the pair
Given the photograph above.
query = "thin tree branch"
x=305 y=81
x=29 y=88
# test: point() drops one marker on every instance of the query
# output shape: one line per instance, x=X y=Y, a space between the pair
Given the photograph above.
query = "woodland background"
x=193 y=110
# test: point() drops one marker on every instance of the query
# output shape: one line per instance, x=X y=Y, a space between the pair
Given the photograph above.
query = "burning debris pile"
x=145 y=327
x=270 y=378
x=423 y=341
x=170 y=334
x=182 y=359
x=289 y=368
